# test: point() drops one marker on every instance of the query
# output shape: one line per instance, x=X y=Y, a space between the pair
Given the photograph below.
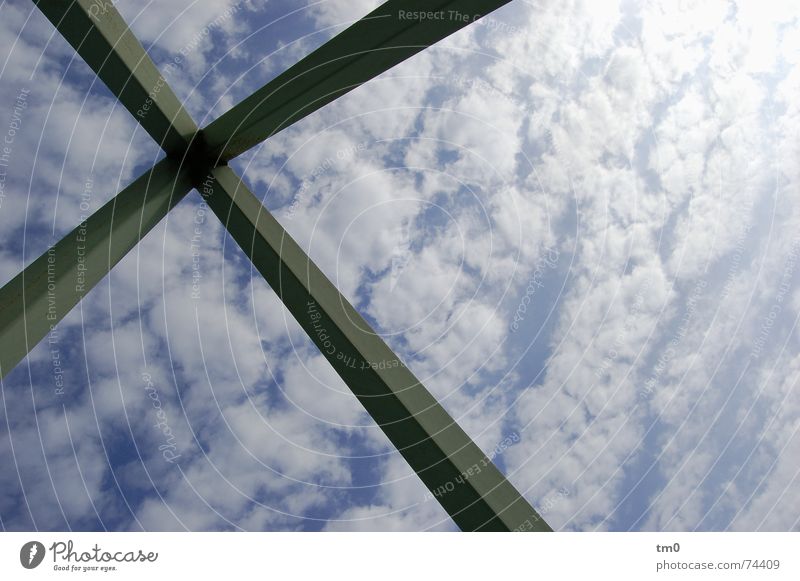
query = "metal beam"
x=100 y=36
x=461 y=477
x=466 y=483
x=385 y=37
x=33 y=302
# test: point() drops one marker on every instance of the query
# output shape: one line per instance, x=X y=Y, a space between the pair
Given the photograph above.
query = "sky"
x=576 y=222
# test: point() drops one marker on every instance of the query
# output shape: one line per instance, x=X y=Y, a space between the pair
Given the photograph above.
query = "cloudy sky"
x=577 y=222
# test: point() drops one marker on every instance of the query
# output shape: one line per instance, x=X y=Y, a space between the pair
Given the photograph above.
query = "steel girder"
x=33 y=302
x=100 y=36
x=462 y=478
x=385 y=37
x=470 y=488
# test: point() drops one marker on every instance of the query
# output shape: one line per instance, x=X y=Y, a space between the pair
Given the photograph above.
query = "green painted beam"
x=33 y=302
x=385 y=37
x=466 y=483
x=460 y=476
x=98 y=33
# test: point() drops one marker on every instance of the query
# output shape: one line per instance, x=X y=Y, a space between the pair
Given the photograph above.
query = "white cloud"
x=644 y=143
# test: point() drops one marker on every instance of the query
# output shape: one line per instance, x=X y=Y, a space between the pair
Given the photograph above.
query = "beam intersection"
x=461 y=477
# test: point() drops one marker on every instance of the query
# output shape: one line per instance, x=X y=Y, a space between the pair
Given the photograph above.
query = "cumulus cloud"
x=645 y=155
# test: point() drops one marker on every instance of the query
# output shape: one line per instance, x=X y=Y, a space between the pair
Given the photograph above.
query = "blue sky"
x=576 y=222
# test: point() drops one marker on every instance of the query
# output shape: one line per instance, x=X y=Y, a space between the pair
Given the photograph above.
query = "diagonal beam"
x=100 y=36
x=385 y=37
x=462 y=478
x=37 y=298
x=466 y=483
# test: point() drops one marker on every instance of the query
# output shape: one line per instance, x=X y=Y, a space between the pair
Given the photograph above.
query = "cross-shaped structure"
x=463 y=479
